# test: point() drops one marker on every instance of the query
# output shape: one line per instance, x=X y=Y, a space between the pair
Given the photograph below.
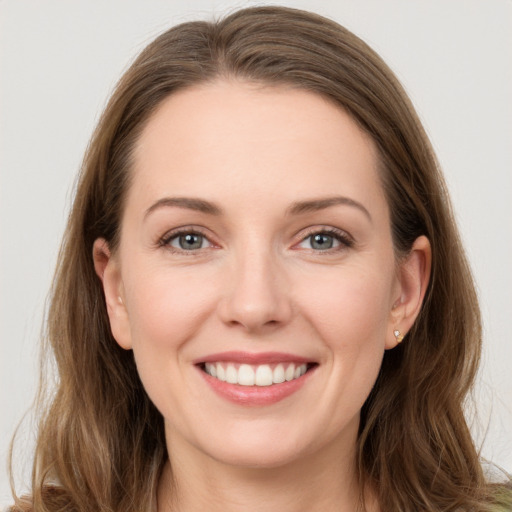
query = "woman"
x=261 y=302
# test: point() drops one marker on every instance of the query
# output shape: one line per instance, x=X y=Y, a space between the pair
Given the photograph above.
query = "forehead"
x=257 y=141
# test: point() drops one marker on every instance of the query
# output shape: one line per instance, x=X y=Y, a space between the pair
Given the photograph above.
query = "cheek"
x=350 y=306
x=350 y=313
x=166 y=307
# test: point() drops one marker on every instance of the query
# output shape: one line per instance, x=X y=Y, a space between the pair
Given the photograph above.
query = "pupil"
x=321 y=241
x=190 y=241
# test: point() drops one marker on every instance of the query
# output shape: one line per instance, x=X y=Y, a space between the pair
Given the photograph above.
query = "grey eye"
x=321 y=241
x=188 y=241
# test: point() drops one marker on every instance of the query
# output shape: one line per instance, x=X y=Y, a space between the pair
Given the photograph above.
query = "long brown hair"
x=101 y=442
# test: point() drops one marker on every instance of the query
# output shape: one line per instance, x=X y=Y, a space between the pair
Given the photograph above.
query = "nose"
x=257 y=295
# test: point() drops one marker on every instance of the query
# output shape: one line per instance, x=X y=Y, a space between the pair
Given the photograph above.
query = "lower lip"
x=256 y=395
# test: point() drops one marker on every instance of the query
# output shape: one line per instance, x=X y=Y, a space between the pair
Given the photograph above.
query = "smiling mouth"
x=256 y=374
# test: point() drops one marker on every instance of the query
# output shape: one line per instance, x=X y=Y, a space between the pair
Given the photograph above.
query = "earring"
x=398 y=335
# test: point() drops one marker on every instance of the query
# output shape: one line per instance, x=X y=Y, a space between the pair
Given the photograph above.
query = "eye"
x=326 y=240
x=188 y=241
x=185 y=241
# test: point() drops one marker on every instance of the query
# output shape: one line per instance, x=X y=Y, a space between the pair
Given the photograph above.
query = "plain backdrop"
x=60 y=60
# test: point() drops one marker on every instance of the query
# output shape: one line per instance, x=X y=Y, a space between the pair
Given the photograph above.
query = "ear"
x=107 y=269
x=413 y=279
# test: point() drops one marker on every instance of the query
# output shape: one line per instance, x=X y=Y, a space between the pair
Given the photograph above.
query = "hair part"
x=101 y=442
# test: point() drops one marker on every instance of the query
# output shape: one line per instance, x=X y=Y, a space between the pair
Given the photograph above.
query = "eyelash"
x=166 y=240
x=345 y=240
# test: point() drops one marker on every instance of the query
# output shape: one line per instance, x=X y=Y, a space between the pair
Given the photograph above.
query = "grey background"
x=60 y=59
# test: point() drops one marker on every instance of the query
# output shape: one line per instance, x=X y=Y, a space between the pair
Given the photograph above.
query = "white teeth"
x=221 y=374
x=300 y=370
x=246 y=375
x=263 y=375
x=278 y=375
x=231 y=374
x=211 y=369
x=255 y=375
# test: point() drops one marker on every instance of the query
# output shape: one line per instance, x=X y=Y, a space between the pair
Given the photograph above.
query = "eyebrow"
x=190 y=203
x=315 y=205
x=297 y=208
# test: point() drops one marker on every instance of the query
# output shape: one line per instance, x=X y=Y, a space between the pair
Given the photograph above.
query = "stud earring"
x=398 y=335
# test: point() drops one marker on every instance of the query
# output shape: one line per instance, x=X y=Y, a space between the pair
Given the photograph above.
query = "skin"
x=258 y=284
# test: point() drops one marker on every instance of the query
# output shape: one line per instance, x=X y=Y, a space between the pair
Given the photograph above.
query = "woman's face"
x=255 y=246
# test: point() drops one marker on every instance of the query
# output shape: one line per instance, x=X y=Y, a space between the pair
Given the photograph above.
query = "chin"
x=259 y=445
x=257 y=456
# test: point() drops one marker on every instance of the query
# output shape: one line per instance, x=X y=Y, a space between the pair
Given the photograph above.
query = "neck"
x=324 y=481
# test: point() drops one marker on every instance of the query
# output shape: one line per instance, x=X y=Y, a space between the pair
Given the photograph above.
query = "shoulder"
x=501 y=483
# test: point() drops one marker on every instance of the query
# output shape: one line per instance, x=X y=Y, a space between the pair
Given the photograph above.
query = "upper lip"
x=253 y=358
